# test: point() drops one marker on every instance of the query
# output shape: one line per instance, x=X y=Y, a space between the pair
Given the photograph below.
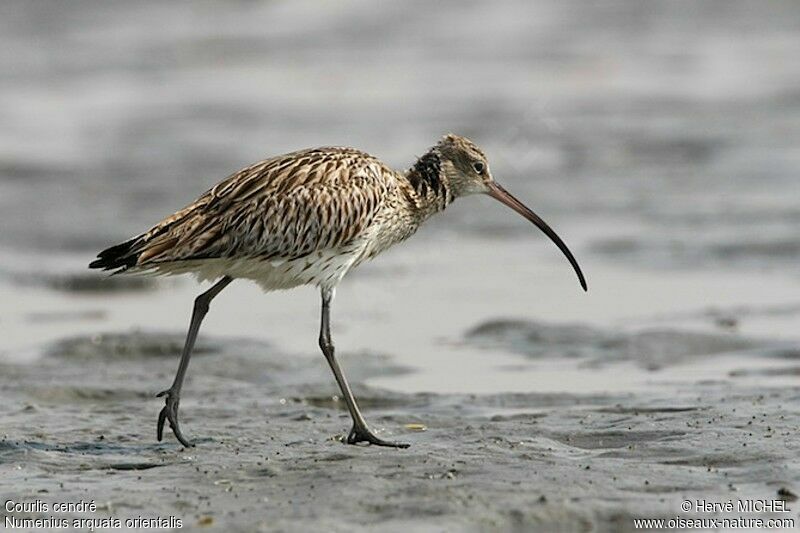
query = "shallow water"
x=659 y=140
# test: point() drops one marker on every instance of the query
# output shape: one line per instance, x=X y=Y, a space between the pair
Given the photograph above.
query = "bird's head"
x=463 y=165
x=465 y=170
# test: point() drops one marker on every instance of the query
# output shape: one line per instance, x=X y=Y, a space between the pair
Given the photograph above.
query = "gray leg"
x=360 y=431
x=170 y=410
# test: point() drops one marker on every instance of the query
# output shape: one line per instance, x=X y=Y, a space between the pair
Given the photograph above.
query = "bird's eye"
x=479 y=167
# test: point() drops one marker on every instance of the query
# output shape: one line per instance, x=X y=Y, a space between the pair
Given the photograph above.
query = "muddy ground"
x=79 y=424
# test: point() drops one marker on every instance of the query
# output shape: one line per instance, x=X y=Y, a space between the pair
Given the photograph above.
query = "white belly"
x=324 y=268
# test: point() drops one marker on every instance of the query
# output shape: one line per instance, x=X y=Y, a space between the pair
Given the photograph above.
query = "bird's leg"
x=170 y=410
x=360 y=431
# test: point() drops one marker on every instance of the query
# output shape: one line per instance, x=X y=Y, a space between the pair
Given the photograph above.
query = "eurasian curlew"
x=306 y=218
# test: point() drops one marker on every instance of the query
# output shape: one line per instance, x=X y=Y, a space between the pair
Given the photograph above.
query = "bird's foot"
x=170 y=412
x=363 y=434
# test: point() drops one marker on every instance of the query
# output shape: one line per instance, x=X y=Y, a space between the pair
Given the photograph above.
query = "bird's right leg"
x=360 y=431
x=173 y=394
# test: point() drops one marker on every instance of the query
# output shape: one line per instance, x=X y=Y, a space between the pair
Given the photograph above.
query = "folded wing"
x=279 y=209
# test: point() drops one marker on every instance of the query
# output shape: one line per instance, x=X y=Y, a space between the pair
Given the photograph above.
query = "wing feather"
x=278 y=209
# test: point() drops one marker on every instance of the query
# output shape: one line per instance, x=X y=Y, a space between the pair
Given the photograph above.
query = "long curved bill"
x=499 y=193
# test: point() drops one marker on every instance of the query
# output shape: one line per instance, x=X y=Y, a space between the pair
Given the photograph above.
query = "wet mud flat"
x=79 y=425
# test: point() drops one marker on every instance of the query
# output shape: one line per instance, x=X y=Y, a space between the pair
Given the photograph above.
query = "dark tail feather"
x=121 y=256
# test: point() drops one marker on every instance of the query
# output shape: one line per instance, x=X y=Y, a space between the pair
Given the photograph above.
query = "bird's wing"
x=281 y=208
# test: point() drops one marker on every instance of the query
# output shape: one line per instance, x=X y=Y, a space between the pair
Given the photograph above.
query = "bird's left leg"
x=360 y=431
x=170 y=410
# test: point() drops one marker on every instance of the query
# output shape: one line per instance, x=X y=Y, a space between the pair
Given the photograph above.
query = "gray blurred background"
x=669 y=129
x=659 y=138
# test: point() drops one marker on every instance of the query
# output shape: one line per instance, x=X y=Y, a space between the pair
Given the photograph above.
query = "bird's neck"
x=429 y=189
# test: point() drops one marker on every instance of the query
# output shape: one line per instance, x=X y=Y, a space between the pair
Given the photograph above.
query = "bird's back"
x=313 y=204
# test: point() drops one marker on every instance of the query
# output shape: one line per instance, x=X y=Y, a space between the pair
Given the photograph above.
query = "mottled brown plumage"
x=307 y=217
x=283 y=221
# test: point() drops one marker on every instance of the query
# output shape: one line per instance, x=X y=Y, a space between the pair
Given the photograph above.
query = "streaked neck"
x=429 y=183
